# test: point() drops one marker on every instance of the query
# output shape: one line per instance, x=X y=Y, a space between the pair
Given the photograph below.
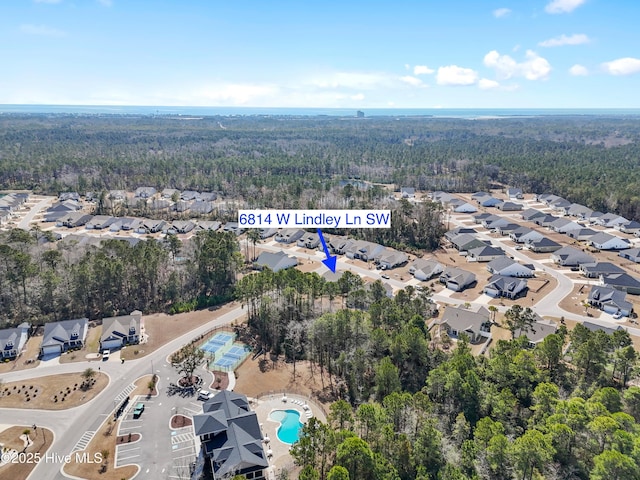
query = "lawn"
x=53 y=392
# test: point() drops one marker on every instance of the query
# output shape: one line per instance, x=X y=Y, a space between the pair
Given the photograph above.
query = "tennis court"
x=232 y=358
x=215 y=343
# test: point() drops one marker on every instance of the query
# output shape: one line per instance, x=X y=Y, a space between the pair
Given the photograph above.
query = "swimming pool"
x=290 y=426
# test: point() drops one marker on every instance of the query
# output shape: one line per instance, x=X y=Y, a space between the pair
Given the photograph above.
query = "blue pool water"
x=290 y=426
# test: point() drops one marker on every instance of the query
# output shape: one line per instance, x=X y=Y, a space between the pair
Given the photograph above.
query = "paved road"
x=70 y=425
x=43 y=204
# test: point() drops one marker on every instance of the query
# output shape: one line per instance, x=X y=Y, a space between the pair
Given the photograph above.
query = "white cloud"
x=575 y=39
x=353 y=80
x=486 y=84
x=501 y=12
x=455 y=75
x=579 y=70
x=622 y=66
x=106 y=3
x=562 y=6
x=534 y=67
x=357 y=96
x=41 y=30
x=422 y=70
x=413 y=81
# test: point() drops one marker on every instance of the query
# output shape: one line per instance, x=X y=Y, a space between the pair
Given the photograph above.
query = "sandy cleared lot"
x=161 y=328
x=54 y=392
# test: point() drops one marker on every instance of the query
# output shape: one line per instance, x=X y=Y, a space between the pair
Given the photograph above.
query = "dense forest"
x=294 y=161
x=413 y=406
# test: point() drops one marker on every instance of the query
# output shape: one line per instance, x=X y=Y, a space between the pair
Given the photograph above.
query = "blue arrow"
x=330 y=261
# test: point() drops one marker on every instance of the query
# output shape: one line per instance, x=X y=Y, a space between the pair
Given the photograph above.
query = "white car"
x=105 y=355
x=204 y=395
x=617 y=315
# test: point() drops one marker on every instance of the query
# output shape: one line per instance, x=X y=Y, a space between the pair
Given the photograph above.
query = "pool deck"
x=263 y=407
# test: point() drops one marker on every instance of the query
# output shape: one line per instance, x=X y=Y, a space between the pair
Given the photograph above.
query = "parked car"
x=105 y=355
x=204 y=395
x=138 y=410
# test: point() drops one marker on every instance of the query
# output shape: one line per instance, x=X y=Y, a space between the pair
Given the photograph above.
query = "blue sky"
x=347 y=54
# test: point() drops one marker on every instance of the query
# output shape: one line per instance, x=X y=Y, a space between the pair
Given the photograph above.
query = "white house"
x=508 y=267
x=606 y=241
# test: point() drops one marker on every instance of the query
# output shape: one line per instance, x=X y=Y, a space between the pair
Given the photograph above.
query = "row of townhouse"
x=60 y=337
x=10 y=203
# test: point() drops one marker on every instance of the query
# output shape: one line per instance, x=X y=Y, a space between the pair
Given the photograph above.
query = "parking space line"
x=182 y=456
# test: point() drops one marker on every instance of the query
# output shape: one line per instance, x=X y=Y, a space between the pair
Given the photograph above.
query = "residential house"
x=543 y=245
x=117 y=195
x=506 y=230
x=233 y=227
x=390 y=259
x=159 y=204
x=595 y=327
x=62 y=336
x=100 y=222
x=365 y=251
x=594 y=270
x=459 y=206
x=120 y=331
x=125 y=223
x=508 y=287
x=631 y=227
x=408 y=192
x=200 y=207
x=545 y=221
x=525 y=234
x=610 y=300
x=579 y=211
x=581 y=234
x=621 y=281
x=168 y=193
x=560 y=205
x=487 y=200
x=208 y=225
x=610 y=220
x=457 y=279
x=144 y=192
x=230 y=437
x=181 y=226
x=571 y=257
x=189 y=195
x=476 y=195
x=182 y=206
x=530 y=214
x=606 y=241
x=208 y=196
x=151 y=226
x=474 y=322
x=494 y=222
x=564 y=225
x=485 y=253
x=538 y=331
x=274 y=261
x=13 y=340
x=69 y=196
x=594 y=217
x=508 y=267
x=425 y=269
x=74 y=219
x=480 y=217
x=268 y=233
x=632 y=254
x=309 y=240
x=509 y=206
x=465 y=242
x=515 y=193
x=289 y=235
x=457 y=231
